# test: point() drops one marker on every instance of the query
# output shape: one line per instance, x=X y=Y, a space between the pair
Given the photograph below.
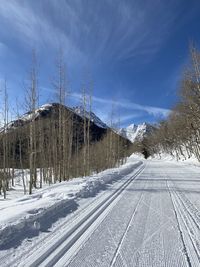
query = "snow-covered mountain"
x=48 y=114
x=50 y=108
x=135 y=132
x=91 y=116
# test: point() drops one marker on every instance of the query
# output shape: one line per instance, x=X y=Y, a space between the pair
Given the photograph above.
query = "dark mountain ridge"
x=46 y=131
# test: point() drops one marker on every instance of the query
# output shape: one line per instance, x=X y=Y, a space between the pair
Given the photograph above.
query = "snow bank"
x=168 y=157
x=29 y=212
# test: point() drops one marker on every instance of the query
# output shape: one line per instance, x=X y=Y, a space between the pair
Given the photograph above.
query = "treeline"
x=54 y=144
x=179 y=134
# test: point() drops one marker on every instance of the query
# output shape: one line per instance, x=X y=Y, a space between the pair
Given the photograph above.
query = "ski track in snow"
x=149 y=218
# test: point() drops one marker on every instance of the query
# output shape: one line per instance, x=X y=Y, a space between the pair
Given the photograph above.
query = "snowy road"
x=149 y=218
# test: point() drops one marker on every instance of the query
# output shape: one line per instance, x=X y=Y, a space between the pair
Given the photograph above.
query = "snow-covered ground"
x=150 y=216
x=193 y=161
x=20 y=212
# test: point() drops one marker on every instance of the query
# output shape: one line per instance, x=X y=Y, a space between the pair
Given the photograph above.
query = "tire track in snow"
x=55 y=251
x=125 y=232
x=11 y=260
x=153 y=238
x=140 y=237
x=101 y=246
x=190 y=228
x=165 y=221
x=179 y=228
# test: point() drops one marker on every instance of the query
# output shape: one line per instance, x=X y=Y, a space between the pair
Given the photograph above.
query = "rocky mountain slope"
x=52 y=109
x=91 y=116
x=135 y=132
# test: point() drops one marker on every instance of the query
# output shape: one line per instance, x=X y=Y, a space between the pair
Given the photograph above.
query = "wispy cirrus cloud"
x=115 y=39
x=32 y=29
x=125 y=104
x=90 y=30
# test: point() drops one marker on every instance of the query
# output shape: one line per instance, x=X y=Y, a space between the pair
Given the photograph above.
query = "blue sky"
x=134 y=51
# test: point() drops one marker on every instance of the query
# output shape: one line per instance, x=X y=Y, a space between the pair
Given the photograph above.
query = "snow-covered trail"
x=149 y=218
x=155 y=223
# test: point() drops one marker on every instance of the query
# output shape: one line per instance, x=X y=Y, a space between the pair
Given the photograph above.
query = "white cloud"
x=155 y=111
x=89 y=29
x=33 y=29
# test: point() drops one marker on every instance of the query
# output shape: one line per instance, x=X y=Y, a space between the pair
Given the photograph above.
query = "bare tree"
x=32 y=103
x=5 y=140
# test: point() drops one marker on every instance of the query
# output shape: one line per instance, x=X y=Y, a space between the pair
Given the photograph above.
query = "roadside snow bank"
x=27 y=213
x=168 y=157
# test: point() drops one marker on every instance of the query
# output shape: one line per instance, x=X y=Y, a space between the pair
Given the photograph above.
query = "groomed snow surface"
x=145 y=213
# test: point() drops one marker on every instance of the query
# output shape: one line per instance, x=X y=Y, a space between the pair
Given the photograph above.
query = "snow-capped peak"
x=131 y=127
x=89 y=115
x=46 y=109
x=135 y=132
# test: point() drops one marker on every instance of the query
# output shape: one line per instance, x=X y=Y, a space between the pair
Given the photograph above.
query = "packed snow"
x=144 y=213
x=18 y=210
